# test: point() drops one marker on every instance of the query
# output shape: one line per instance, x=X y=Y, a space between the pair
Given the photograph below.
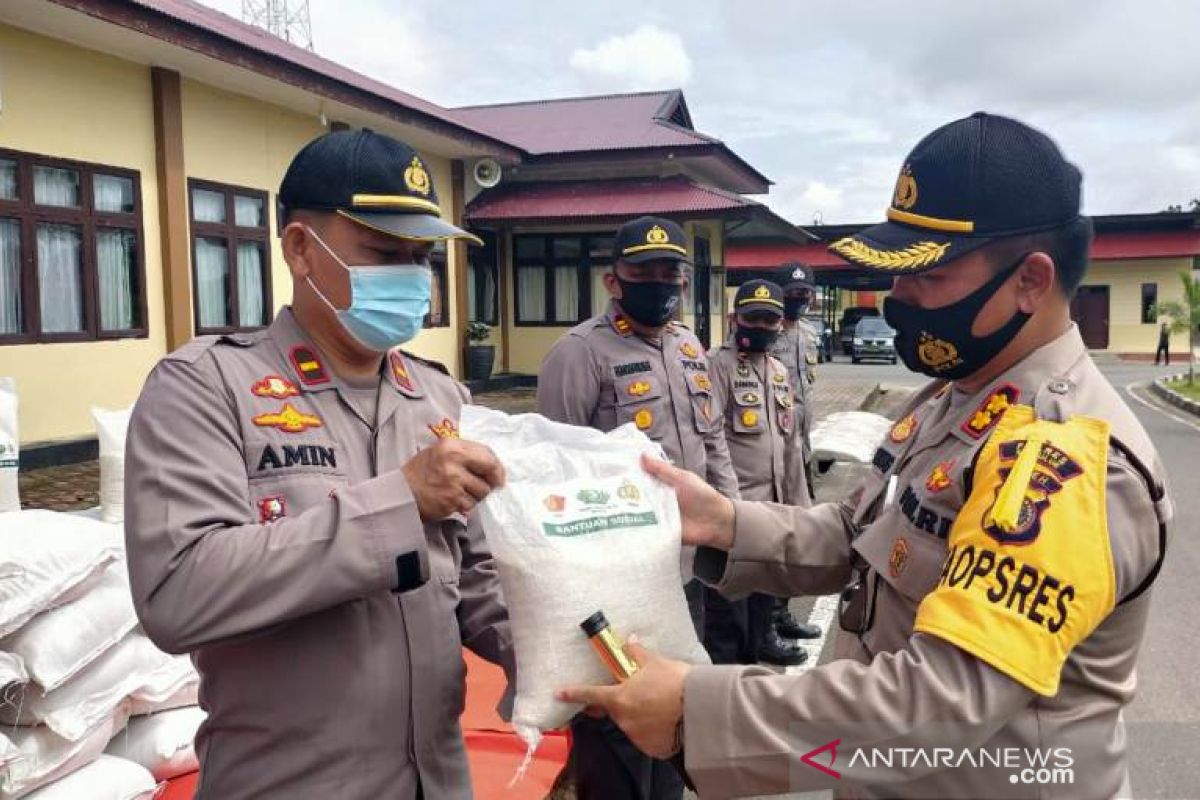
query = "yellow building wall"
x=237 y=140
x=1126 y=332
x=67 y=102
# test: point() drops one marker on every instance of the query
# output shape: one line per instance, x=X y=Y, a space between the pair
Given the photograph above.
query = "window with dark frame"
x=557 y=277
x=1149 y=303
x=71 y=259
x=231 y=258
x=483 y=282
x=439 y=301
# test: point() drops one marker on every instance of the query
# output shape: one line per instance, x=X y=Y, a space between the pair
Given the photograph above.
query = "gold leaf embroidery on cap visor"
x=921 y=254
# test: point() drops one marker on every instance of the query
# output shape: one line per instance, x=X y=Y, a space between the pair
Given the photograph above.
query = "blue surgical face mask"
x=388 y=303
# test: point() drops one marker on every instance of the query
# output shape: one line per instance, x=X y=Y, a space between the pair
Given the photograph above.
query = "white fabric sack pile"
x=579 y=527
x=162 y=743
x=44 y=757
x=47 y=559
x=12 y=669
x=106 y=778
x=55 y=645
x=849 y=436
x=10 y=446
x=111 y=427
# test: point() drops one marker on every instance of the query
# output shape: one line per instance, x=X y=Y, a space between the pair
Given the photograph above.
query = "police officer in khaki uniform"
x=299 y=508
x=998 y=558
x=759 y=413
x=635 y=364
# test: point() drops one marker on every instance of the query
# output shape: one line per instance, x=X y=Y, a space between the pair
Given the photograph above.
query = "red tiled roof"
x=572 y=125
x=1156 y=244
x=601 y=199
x=769 y=256
x=249 y=36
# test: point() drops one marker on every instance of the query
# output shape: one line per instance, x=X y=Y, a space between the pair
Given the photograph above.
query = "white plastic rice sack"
x=111 y=427
x=106 y=778
x=45 y=757
x=849 y=436
x=48 y=558
x=58 y=643
x=579 y=527
x=10 y=446
x=12 y=669
x=8 y=751
x=132 y=668
x=162 y=743
x=189 y=695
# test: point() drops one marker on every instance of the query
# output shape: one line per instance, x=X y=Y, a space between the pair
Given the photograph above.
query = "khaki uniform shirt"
x=271 y=535
x=796 y=347
x=759 y=413
x=748 y=730
x=601 y=375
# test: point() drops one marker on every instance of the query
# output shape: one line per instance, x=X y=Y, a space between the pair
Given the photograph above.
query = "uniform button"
x=1059 y=386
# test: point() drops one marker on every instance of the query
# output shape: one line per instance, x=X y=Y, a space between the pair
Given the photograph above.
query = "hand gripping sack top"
x=579 y=527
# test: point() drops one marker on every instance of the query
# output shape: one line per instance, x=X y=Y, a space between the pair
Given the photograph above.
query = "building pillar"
x=459 y=262
x=172 y=205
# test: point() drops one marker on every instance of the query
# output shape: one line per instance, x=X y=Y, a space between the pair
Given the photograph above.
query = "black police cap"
x=969 y=182
x=794 y=275
x=375 y=180
x=648 y=238
x=758 y=295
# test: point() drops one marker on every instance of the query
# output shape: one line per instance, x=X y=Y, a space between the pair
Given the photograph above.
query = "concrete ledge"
x=501 y=383
x=1160 y=388
x=39 y=455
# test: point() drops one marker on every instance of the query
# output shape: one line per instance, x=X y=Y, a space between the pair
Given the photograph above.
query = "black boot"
x=791 y=628
x=774 y=650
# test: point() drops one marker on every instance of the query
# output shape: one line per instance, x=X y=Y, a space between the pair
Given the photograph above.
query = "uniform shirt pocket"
x=700 y=393
x=747 y=412
x=286 y=478
x=909 y=559
x=639 y=400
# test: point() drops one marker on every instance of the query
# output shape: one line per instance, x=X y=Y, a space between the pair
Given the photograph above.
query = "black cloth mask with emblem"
x=938 y=341
x=649 y=303
x=754 y=340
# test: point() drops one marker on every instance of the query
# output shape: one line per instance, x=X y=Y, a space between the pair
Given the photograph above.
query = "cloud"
x=647 y=58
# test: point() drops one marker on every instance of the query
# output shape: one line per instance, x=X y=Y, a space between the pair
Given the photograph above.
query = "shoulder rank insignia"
x=288 y=420
x=898 y=559
x=903 y=429
x=702 y=382
x=271 y=509
x=274 y=386
x=749 y=418
x=621 y=325
x=988 y=412
x=643 y=419
x=308 y=366
x=638 y=388
x=446 y=429
x=939 y=476
x=689 y=350
x=400 y=372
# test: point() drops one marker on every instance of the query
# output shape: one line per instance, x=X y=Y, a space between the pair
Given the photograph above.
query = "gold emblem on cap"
x=657 y=235
x=921 y=254
x=416 y=178
x=937 y=353
x=906 y=189
x=762 y=293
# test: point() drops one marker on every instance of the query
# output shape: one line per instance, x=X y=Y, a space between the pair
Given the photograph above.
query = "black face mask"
x=649 y=304
x=793 y=307
x=938 y=341
x=754 y=340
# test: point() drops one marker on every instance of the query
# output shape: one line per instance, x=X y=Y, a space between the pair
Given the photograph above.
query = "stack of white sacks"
x=89 y=706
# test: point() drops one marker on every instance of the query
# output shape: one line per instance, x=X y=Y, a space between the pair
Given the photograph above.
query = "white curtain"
x=486 y=312
x=8 y=179
x=248 y=212
x=531 y=294
x=600 y=295
x=566 y=294
x=208 y=206
x=59 y=278
x=116 y=257
x=113 y=194
x=10 y=276
x=212 y=282
x=250 y=285
x=56 y=187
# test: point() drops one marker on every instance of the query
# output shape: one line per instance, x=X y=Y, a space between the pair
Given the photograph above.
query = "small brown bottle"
x=606 y=644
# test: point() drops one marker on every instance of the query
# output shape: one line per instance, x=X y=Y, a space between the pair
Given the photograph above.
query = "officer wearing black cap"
x=636 y=364
x=761 y=426
x=997 y=560
x=300 y=515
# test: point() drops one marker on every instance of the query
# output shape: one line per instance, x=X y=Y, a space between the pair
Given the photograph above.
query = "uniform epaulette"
x=192 y=351
x=439 y=366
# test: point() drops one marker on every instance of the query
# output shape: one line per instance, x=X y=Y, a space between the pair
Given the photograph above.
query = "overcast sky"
x=825 y=98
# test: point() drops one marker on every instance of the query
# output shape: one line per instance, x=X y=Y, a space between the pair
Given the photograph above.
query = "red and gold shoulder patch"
x=308 y=366
x=988 y=412
x=446 y=429
x=621 y=325
x=898 y=559
x=271 y=508
x=689 y=350
x=939 y=476
x=903 y=429
x=1052 y=469
x=274 y=386
x=400 y=372
x=288 y=420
